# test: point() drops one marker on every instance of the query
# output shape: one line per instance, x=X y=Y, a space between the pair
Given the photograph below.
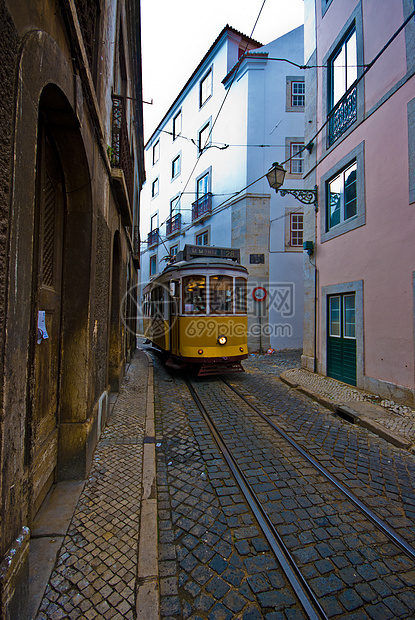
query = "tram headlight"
x=222 y=340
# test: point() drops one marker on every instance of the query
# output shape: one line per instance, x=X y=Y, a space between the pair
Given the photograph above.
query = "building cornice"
x=218 y=41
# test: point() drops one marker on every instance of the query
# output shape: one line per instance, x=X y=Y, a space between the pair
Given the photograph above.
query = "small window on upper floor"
x=177 y=125
x=297 y=157
x=175 y=205
x=205 y=88
x=342 y=90
x=342 y=68
x=175 y=167
x=296 y=229
x=342 y=197
x=295 y=94
x=203 y=238
x=203 y=137
x=298 y=94
x=155 y=188
x=156 y=152
x=153 y=265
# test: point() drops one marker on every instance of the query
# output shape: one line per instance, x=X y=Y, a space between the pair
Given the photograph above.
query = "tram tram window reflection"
x=194 y=295
x=240 y=295
x=221 y=294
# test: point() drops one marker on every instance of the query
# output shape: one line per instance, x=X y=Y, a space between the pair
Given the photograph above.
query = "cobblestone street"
x=214 y=561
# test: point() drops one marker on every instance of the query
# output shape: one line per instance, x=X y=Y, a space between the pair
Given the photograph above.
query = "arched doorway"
x=47 y=300
x=59 y=396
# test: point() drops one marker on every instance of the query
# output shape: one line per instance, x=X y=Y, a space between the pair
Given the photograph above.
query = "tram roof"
x=204 y=261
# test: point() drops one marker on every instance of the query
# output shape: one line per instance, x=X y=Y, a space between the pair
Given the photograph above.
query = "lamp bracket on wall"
x=306 y=196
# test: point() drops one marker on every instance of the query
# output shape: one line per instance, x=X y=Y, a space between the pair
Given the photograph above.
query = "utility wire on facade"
x=225 y=97
x=223 y=205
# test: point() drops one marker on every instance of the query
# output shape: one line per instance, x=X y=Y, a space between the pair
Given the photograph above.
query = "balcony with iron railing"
x=342 y=116
x=153 y=237
x=173 y=224
x=202 y=207
x=122 y=164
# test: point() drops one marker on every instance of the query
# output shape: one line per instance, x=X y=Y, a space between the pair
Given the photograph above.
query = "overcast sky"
x=176 y=35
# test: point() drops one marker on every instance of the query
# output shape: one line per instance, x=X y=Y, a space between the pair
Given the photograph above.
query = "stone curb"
x=346 y=412
x=148 y=601
x=322 y=400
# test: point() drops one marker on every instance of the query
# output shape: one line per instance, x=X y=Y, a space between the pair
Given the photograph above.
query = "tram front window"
x=240 y=295
x=221 y=294
x=194 y=295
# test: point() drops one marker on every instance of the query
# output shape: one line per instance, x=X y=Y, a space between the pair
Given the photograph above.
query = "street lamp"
x=276 y=176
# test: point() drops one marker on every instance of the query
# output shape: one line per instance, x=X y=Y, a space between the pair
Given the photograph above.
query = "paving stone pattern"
x=214 y=562
x=353 y=454
x=349 y=564
x=95 y=573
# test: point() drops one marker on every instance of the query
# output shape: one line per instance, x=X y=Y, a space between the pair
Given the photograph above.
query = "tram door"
x=45 y=369
x=174 y=343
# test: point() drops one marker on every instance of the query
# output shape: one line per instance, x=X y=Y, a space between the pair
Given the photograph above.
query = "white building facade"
x=240 y=111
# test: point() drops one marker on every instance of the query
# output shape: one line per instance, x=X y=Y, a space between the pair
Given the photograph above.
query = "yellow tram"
x=195 y=310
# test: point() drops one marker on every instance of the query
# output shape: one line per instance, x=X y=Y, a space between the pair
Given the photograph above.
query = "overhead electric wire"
x=222 y=205
x=226 y=95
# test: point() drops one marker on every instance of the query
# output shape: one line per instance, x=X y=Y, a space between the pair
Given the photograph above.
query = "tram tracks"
x=309 y=592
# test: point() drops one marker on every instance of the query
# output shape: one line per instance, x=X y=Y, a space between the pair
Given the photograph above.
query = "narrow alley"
x=214 y=560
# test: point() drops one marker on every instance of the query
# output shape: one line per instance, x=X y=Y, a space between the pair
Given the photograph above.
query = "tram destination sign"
x=191 y=251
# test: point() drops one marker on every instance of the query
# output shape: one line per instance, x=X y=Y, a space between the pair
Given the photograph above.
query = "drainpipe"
x=315 y=316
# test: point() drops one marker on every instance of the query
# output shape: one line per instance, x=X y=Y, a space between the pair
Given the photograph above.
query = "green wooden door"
x=341 y=345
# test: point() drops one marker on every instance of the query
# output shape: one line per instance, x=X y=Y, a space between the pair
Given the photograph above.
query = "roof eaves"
x=227 y=28
x=246 y=56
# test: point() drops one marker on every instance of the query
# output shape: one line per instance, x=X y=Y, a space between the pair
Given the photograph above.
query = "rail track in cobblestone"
x=357 y=553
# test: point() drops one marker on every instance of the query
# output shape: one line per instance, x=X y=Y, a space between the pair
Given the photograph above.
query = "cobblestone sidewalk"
x=395 y=418
x=95 y=574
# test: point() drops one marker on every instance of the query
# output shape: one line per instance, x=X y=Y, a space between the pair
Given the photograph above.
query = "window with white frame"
x=203 y=137
x=175 y=167
x=153 y=222
x=294 y=94
x=296 y=229
x=155 y=188
x=175 y=205
x=202 y=238
x=202 y=187
x=153 y=265
x=342 y=196
x=156 y=152
x=174 y=250
x=205 y=88
x=297 y=94
x=177 y=125
x=296 y=157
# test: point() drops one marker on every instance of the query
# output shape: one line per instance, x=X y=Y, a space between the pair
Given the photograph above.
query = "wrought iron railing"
x=173 y=224
x=342 y=116
x=120 y=154
x=153 y=237
x=202 y=206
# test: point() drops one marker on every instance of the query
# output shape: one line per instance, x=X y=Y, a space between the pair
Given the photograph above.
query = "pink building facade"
x=360 y=120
